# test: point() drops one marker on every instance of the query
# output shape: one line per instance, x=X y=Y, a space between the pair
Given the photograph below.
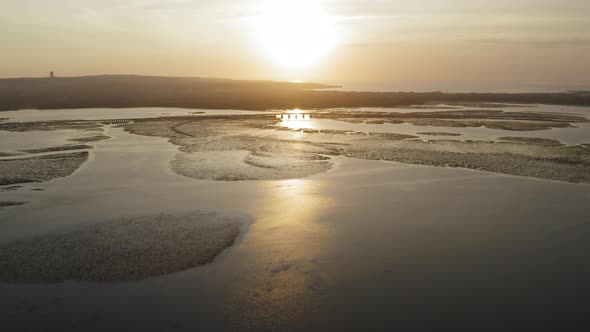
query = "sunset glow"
x=295 y=34
x=294 y=165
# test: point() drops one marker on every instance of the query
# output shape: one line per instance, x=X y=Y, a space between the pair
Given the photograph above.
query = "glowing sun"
x=295 y=33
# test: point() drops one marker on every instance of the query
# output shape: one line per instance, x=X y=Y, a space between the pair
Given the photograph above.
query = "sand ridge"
x=256 y=149
x=41 y=168
x=120 y=250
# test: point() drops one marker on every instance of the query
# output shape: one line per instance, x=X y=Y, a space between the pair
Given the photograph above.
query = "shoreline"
x=146 y=91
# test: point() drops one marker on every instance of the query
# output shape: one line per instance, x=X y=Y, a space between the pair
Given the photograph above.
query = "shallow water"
x=578 y=134
x=457 y=86
x=109 y=113
x=531 y=108
x=10 y=141
x=367 y=245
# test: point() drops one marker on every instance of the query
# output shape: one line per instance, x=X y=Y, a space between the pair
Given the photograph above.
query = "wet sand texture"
x=438 y=133
x=10 y=188
x=95 y=138
x=9 y=204
x=32 y=126
x=120 y=250
x=220 y=150
x=531 y=125
x=40 y=169
x=58 y=148
x=256 y=149
x=491 y=119
x=532 y=140
x=8 y=154
x=567 y=170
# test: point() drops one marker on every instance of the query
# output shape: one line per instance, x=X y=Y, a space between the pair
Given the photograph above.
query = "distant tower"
x=51 y=74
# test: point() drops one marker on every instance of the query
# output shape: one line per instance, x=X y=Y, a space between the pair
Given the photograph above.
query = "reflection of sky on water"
x=579 y=133
x=356 y=241
x=35 y=139
x=112 y=113
x=282 y=246
x=294 y=117
x=296 y=120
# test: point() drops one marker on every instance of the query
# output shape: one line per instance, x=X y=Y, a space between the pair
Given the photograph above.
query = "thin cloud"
x=536 y=43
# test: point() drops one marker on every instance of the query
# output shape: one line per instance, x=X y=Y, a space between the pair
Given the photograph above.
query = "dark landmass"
x=146 y=91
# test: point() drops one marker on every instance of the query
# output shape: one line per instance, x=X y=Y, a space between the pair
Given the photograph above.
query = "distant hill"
x=113 y=91
x=580 y=92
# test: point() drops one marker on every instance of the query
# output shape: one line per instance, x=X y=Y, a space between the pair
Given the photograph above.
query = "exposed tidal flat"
x=311 y=223
x=119 y=250
x=5 y=203
x=41 y=168
x=259 y=149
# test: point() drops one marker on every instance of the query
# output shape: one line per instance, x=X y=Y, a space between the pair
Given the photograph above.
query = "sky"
x=455 y=40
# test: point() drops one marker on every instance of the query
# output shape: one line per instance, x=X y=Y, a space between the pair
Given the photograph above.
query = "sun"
x=295 y=33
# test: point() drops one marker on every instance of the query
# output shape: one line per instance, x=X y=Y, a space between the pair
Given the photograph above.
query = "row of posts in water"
x=294 y=117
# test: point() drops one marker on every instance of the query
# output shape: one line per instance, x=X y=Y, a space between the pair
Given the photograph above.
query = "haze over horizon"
x=522 y=40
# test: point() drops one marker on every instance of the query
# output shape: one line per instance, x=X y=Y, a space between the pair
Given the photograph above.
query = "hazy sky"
x=513 y=40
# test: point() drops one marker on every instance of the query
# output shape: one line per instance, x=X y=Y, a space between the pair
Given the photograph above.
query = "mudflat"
x=120 y=250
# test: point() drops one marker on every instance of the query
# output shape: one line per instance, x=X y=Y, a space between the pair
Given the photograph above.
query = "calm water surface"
x=367 y=246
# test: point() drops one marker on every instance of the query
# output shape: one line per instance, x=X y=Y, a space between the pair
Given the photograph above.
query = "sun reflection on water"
x=295 y=119
x=287 y=241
